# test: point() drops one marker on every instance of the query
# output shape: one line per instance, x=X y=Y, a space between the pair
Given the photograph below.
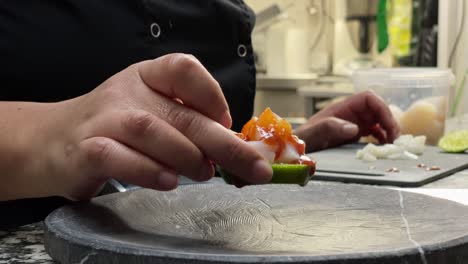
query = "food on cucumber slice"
x=272 y=137
x=282 y=174
x=454 y=142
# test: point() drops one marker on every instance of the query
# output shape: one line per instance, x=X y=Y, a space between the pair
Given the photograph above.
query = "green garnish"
x=454 y=142
x=282 y=174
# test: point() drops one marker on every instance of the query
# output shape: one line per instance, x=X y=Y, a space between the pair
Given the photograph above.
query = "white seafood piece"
x=289 y=154
x=440 y=103
x=267 y=151
x=423 y=118
x=257 y=136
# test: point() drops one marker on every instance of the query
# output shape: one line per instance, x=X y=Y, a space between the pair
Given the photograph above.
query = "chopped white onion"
x=368 y=157
x=405 y=147
x=412 y=144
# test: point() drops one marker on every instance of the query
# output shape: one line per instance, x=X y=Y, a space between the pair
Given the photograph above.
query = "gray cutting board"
x=322 y=223
x=341 y=164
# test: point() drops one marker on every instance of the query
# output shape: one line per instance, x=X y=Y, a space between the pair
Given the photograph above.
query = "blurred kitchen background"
x=307 y=50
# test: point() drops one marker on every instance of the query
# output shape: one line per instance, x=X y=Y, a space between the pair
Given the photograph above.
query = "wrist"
x=28 y=148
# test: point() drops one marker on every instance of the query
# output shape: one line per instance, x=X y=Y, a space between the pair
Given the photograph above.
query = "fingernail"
x=349 y=130
x=226 y=120
x=166 y=180
x=207 y=172
x=262 y=171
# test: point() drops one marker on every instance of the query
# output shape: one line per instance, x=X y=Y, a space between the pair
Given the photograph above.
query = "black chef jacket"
x=59 y=49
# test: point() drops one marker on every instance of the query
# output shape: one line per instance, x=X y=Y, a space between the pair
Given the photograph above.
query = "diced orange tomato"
x=275 y=131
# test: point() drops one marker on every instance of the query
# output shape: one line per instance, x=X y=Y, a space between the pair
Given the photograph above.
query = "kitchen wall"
x=450 y=20
x=450 y=14
x=461 y=59
x=302 y=15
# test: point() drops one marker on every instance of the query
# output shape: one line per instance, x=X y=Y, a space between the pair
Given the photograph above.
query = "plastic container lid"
x=402 y=78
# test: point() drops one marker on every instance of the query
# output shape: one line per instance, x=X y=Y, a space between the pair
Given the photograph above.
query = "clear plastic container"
x=417 y=96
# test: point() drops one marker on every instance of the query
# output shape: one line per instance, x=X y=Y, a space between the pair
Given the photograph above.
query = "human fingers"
x=371 y=107
x=156 y=139
x=106 y=157
x=219 y=144
x=327 y=132
x=183 y=77
x=195 y=121
x=385 y=118
x=214 y=141
x=379 y=134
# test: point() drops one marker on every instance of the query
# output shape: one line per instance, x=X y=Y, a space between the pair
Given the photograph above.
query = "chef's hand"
x=360 y=115
x=145 y=125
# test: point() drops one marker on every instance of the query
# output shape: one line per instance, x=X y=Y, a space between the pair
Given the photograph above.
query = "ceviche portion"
x=272 y=137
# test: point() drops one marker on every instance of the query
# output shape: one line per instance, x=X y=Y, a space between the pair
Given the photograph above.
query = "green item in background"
x=399 y=26
x=282 y=174
x=458 y=96
x=382 y=30
x=454 y=142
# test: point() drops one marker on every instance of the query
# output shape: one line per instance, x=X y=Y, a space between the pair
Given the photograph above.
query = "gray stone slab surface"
x=217 y=223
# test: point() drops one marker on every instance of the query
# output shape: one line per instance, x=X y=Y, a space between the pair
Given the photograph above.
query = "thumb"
x=328 y=132
x=349 y=130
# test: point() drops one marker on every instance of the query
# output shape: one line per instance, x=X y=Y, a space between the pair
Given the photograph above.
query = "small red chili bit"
x=433 y=168
x=393 y=170
x=305 y=160
x=421 y=165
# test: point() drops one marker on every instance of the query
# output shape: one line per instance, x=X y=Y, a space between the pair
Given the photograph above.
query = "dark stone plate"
x=218 y=223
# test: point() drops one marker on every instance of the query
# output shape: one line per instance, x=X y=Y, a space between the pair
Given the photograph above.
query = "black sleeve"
x=26 y=211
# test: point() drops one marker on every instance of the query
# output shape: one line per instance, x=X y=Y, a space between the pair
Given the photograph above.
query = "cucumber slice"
x=282 y=174
x=455 y=142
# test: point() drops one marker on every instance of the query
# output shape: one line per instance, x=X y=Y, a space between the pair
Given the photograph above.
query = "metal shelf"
x=286 y=82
